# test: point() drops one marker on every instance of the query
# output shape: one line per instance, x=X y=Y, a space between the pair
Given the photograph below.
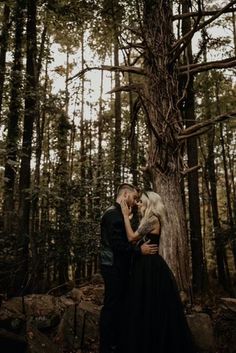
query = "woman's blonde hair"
x=153 y=207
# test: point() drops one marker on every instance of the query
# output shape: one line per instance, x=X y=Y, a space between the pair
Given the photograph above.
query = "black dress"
x=154 y=317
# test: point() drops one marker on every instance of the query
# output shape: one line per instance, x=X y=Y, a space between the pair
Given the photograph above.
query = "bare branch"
x=135 y=70
x=190 y=170
x=132 y=69
x=219 y=64
x=186 y=133
x=213 y=18
x=183 y=42
x=132 y=45
x=133 y=87
x=194 y=134
x=188 y=36
x=204 y=13
x=82 y=72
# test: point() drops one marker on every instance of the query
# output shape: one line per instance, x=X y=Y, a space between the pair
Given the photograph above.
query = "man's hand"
x=149 y=249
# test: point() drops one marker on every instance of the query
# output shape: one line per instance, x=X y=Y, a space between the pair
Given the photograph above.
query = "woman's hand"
x=126 y=210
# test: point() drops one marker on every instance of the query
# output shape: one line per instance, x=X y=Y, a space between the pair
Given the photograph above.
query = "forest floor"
x=68 y=322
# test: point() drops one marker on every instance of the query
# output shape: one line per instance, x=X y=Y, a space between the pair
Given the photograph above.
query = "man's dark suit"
x=116 y=254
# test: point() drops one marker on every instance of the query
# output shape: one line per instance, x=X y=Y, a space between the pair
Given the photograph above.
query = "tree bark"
x=3 y=50
x=31 y=110
x=117 y=113
x=160 y=102
x=83 y=156
x=63 y=210
x=13 y=119
x=227 y=185
x=198 y=266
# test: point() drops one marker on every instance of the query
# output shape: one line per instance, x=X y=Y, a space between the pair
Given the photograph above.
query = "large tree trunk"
x=13 y=120
x=174 y=246
x=164 y=125
x=31 y=110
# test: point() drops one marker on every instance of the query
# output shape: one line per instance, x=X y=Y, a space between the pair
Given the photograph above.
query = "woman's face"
x=141 y=207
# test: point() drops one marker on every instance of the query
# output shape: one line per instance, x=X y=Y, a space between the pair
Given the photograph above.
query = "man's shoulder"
x=111 y=211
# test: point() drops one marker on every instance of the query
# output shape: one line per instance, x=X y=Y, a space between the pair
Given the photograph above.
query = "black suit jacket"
x=116 y=250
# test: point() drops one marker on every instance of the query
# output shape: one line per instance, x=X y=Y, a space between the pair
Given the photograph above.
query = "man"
x=116 y=254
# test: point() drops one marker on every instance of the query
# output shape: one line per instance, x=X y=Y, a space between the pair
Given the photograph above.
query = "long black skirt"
x=154 y=319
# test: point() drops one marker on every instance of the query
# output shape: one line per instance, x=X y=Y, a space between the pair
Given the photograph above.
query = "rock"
x=225 y=325
x=11 y=316
x=39 y=343
x=202 y=329
x=93 y=293
x=75 y=294
x=228 y=304
x=79 y=326
x=44 y=310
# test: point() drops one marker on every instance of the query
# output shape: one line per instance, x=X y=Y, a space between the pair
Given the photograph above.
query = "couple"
x=142 y=311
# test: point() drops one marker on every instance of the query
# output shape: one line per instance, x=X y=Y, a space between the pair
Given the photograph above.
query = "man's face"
x=132 y=198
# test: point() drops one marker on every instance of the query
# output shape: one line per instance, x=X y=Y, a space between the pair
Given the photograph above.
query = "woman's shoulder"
x=150 y=225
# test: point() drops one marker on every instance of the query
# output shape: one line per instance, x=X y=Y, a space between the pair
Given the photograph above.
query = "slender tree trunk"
x=31 y=110
x=13 y=119
x=67 y=76
x=83 y=160
x=45 y=270
x=3 y=49
x=90 y=194
x=82 y=143
x=198 y=266
x=231 y=159
x=63 y=210
x=98 y=193
x=234 y=29
x=118 y=138
x=37 y=281
x=227 y=185
x=221 y=258
x=133 y=140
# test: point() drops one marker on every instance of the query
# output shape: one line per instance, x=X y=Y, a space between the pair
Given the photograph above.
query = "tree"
x=160 y=101
x=13 y=120
x=31 y=110
x=189 y=116
x=3 y=50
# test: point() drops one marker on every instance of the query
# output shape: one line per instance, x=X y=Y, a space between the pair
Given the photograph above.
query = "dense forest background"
x=95 y=93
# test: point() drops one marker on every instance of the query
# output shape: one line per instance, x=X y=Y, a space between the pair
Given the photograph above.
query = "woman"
x=155 y=320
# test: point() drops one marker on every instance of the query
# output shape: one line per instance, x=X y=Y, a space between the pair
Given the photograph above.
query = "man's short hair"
x=126 y=186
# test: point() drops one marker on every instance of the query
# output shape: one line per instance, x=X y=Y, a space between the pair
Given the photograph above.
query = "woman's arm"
x=131 y=235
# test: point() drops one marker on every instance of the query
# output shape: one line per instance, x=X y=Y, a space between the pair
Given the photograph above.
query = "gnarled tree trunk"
x=160 y=101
